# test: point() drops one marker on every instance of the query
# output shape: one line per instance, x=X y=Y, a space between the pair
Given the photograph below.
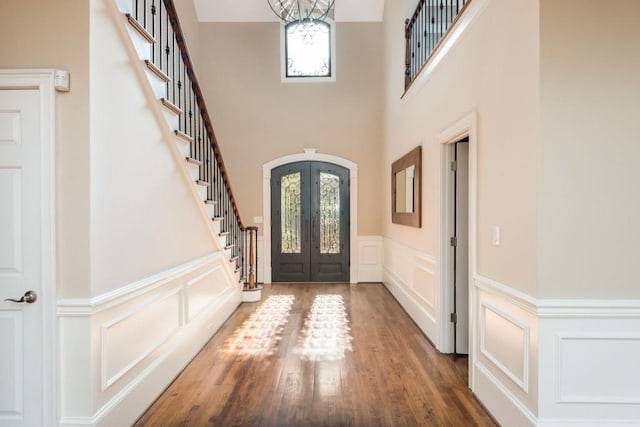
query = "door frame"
x=310 y=154
x=42 y=80
x=465 y=127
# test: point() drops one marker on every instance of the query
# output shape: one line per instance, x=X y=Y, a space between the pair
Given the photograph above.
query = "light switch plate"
x=495 y=235
x=257 y=220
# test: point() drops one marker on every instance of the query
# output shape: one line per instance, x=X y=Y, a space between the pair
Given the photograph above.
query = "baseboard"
x=503 y=406
x=410 y=276
x=425 y=321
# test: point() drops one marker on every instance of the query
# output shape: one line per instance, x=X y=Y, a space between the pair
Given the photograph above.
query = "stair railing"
x=425 y=29
x=170 y=60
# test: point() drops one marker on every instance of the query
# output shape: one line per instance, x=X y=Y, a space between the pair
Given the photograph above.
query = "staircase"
x=158 y=40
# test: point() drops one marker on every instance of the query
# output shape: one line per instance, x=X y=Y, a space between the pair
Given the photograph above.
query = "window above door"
x=308 y=51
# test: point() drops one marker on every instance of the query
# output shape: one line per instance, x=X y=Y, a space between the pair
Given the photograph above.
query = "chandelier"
x=301 y=11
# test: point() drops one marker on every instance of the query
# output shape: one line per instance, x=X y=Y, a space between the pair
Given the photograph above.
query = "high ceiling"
x=259 y=11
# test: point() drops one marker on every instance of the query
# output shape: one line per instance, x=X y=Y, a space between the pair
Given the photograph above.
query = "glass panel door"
x=291 y=235
x=310 y=223
x=290 y=213
x=329 y=223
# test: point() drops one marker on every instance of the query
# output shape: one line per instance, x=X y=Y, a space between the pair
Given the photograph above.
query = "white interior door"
x=21 y=323
x=462 y=248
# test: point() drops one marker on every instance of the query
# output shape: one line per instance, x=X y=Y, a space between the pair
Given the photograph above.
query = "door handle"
x=29 y=297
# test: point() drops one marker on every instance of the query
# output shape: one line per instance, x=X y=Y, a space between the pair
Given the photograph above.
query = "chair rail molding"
x=310 y=154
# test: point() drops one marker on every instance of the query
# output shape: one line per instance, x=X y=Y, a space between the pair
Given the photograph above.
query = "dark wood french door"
x=310 y=223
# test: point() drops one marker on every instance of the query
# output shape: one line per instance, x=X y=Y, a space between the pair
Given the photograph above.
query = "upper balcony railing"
x=170 y=60
x=425 y=30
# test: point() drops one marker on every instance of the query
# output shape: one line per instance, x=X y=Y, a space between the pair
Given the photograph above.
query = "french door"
x=310 y=223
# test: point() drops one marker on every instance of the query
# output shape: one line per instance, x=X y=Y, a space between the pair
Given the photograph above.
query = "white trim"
x=555 y=309
x=512 y=401
x=523 y=382
x=512 y=295
x=310 y=154
x=107 y=380
x=465 y=127
x=84 y=307
x=125 y=386
x=370 y=270
x=584 y=399
x=401 y=262
x=43 y=81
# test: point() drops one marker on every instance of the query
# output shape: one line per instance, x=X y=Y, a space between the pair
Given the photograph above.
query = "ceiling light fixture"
x=301 y=11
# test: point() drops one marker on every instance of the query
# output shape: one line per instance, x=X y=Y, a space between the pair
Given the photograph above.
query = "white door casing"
x=27 y=359
x=466 y=126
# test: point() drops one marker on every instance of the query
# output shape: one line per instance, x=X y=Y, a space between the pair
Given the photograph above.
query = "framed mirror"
x=406 y=181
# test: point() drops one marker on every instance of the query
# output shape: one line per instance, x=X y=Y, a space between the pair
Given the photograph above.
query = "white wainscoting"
x=555 y=363
x=369 y=259
x=504 y=337
x=119 y=351
x=410 y=275
x=589 y=363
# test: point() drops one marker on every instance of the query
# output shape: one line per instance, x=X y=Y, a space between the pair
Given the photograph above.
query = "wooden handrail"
x=186 y=58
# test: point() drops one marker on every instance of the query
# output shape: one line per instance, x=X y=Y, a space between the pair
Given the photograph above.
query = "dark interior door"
x=310 y=223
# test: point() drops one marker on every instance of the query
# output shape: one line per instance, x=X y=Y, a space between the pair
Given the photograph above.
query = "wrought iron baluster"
x=167 y=52
x=160 y=35
x=441 y=7
x=423 y=35
x=153 y=31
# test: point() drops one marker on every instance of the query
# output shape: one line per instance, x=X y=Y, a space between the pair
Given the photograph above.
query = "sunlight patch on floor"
x=325 y=334
x=261 y=333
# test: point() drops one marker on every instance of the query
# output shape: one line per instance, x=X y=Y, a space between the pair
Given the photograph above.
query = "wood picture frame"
x=406 y=189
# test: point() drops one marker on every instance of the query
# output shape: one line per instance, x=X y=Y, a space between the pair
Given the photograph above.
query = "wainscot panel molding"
x=370 y=258
x=555 y=363
x=589 y=353
x=500 y=331
x=120 y=350
x=504 y=331
x=409 y=274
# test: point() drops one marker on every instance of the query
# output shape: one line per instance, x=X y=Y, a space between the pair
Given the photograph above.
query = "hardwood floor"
x=320 y=355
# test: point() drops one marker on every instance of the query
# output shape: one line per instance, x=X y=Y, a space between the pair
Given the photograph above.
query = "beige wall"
x=493 y=71
x=590 y=103
x=257 y=118
x=144 y=217
x=55 y=34
x=189 y=24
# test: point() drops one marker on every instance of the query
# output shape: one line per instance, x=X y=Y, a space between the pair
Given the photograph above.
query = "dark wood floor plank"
x=391 y=376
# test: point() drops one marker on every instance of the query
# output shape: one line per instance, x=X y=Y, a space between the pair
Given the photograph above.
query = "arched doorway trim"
x=309 y=154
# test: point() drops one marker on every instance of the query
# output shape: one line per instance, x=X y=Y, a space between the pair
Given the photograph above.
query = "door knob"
x=29 y=297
